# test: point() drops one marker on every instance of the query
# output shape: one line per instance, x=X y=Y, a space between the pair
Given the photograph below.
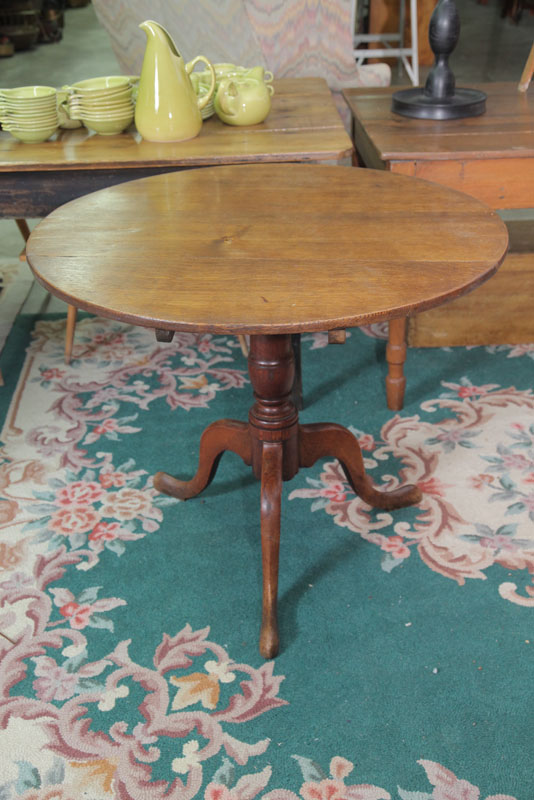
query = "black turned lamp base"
x=419 y=104
x=440 y=99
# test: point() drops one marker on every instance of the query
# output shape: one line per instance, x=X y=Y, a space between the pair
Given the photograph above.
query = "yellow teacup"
x=108 y=127
x=124 y=94
x=28 y=92
x=63 y=113
x=34 y=121
x=105 y=85
x=30 y=135
x=75 y=104
x=29 y=113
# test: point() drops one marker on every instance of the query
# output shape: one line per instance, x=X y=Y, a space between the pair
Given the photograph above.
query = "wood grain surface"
x=266 y=248
x=505 y=130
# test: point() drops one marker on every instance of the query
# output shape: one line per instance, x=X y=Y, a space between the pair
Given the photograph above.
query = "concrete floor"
x=490 y=49
x=83 y=52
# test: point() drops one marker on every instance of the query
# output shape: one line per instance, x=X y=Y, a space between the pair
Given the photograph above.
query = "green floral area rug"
x=129 y=621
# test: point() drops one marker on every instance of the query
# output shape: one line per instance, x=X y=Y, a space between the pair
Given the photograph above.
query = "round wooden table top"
x=266 y=248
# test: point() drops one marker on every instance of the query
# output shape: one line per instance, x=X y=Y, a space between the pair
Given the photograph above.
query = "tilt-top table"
x=268 y=250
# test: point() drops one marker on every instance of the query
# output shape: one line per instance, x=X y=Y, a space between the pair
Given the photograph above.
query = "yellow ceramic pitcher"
x=167 y=108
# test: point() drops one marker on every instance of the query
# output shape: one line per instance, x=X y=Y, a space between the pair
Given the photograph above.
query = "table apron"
x=37 y=193
x=498 y=182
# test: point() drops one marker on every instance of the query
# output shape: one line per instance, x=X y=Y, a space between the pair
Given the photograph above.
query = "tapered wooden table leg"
x=24 y=229
x=72 y=312
x=271 y=495
x=396 y=356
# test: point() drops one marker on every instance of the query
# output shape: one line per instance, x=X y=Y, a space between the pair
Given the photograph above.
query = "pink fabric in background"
x=292 y=38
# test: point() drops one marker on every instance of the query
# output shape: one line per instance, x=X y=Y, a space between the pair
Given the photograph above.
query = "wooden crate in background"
x=498 y=312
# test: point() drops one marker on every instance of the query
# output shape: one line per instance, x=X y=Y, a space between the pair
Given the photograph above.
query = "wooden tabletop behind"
x=266 y=248
x=303 y=124
x=505 y=130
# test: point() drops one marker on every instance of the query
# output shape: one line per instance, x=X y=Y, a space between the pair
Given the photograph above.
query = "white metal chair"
x=408 y=55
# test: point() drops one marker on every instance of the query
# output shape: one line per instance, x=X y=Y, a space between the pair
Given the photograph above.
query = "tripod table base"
x=275 y=445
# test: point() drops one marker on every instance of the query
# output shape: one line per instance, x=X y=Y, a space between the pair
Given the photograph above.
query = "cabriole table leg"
x=225 y=434
x=273 y=422
x=271 y=501
x=328 y=440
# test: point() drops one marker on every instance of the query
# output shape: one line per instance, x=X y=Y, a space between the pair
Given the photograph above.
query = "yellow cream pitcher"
x=167 y=108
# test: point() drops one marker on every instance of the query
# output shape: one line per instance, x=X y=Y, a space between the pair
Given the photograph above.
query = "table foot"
x=271 y=495
x=327 y=440
x=225 y=434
